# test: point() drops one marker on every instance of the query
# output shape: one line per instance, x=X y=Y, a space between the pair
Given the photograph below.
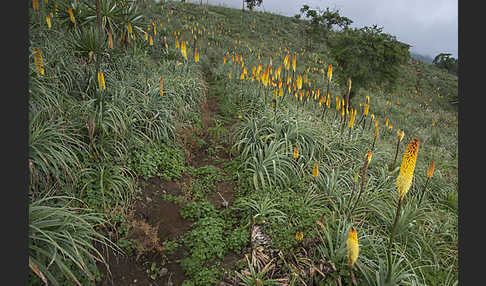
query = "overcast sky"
x=429 y=26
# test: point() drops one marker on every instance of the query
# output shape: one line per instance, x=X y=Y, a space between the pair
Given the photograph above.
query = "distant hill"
x=426 y=59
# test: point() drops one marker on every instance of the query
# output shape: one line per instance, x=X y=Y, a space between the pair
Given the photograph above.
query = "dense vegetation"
x=113 y=93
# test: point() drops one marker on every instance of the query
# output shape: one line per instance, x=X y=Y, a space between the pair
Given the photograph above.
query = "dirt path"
x=155 y=220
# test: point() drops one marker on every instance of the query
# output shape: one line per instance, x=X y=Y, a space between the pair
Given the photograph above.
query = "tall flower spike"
x=366 y=109
x=294 y=61
x=183 y=49
x=315 y=171
x=71 y=15
x=430 y=173
x=101 y=80
x=48 y=20
x=296 y=152
x=353 y=246
x=351 y=120
x=110 y=40
x=400 y=134
x=38 y=61
x=404 y=179
x=161 y=86
x=35 y=5
x=329 y=73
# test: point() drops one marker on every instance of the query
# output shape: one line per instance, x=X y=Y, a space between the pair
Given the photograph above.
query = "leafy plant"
x=61 y=240
x=163 y=160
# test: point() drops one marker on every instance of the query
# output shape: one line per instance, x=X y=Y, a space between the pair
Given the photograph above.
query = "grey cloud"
x=430 y=26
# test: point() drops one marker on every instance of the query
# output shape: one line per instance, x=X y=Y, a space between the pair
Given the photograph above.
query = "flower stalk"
x=430 y=173
x=403 y=183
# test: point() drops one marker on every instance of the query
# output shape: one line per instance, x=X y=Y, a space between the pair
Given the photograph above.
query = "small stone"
x=169 y=283
x=148 y=199
x=135 y=280
x=163 y=272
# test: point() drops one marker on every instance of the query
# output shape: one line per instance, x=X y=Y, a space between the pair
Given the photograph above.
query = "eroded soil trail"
x=155 y=220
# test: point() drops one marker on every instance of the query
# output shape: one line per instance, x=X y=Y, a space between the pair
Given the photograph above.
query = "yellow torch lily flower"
x=329 y=73
x=183 y=49
x=110 y=40
x=196 y=56
x=400 y=134
x=101 y=80
x=315 y=170
x=129 y=28
x=404 y=179
x=71 y=15
x=38 y=61
x=366 y=109
x=294 y=60
x=48 y=20
x=35 y=5
x=161 y=86
x=299 y=81
x=296 y=152
x=299 y=235
x=353 y=246
x=351 y=120
x=430 y=173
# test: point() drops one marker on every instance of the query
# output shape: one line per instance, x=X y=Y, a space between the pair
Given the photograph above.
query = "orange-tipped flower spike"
x=369 y=155
x=294 y=61
x=315 y=171
x=129 y=28
x=196 y=56
x=229 y=76
x=101 y=80
x=329 y=73
x=38 y=61
x=110 y=40
x=71 y=15
x=183 y=49
x=430 y=173
x=161 y=86
x=404 y=179
x=296 y=152
x=353 y=247
x=299 y=81
x=400 y=134
x=35 y=5
x=48 y=20
x=299 y=235
x=351 y=120
x=366 y=109
x=151 y=41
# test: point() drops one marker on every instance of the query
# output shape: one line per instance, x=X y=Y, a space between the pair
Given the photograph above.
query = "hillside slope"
x=205 y=172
